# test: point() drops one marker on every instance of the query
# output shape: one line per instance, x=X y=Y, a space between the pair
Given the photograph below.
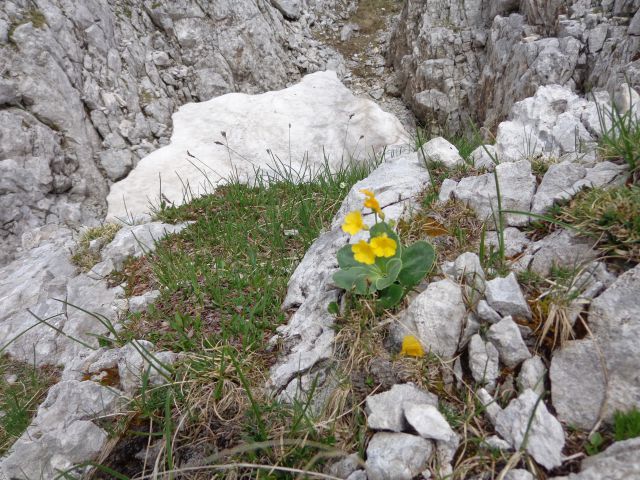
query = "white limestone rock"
x=140 y=303
x=483 y=362
x=618 y=462
x=505 y=296
x=515 y=241
x=291 y=9
x=446 y=190
x=397 y=456
x=385 y=411
x=42 y=281
x=532 y=375
x=139 y=361
x=468 y=271
x=316 y=117
x=436 y=318
x=486 y=313
x=346 y=466
x=137 y=240
x=492 y=409
x=561 y=248
x=428 y=422
x=518 y=474
x=549 y=124
x=544 y=434
x=578 y=385
x=485 y=156
x=557 y=184
x=507 y=339
x=517 y=186
x=62 y=433
x=498 y=443
x=441 y=151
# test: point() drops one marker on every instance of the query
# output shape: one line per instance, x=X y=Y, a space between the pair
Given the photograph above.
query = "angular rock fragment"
x=505 y=296
x=527 y=420
x=385 y=411
x=507 y=339
x=483 y=362
x=397 y=456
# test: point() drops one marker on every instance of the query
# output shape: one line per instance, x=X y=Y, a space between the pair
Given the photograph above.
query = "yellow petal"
x=373 y=204
x=353 y=223
x=363 y=253
x=368 y=193
x=411 y=347
x=383 y=246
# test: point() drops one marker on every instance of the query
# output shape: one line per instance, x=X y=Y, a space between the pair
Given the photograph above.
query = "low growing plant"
x=381 y=265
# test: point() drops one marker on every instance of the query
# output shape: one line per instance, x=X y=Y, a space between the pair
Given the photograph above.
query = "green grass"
x=19 y=399
x=626 y=425
x=620 y=141
x=223 y=280
x=611 y=216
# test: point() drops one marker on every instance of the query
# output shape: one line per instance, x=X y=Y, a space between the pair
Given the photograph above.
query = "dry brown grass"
x=451 y=227
x=84 y=257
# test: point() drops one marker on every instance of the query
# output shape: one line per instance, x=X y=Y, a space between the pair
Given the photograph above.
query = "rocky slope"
x=88 y=88
x=470 y=61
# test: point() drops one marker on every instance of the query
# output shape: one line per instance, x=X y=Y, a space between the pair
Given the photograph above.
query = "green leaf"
x=394 y=265
x=349 y=278
x=391 y=296
x=333 y=308
x=417 y=261
x=345 y=258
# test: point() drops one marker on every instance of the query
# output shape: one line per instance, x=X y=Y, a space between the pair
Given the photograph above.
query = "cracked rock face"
x=88 y=88
x=579 y=385
x=473 y=60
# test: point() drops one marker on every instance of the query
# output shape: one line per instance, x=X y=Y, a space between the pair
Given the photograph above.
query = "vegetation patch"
x=223 y=279
x=87 y=255
x=22 y=388
x=611 y=216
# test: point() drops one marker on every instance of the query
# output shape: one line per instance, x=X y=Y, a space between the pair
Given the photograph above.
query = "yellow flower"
x=383 y=246
x=411 y=347
x=373 y=204
x=368 y=193
x=353 y=223
x=363 y=253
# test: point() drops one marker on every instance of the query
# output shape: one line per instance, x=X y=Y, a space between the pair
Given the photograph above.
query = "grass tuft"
x=626 y=425
x=22 y=388
x=611 y=216
x=85 y=256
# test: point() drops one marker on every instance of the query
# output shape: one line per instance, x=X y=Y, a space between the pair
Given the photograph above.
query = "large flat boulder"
x=238 y=134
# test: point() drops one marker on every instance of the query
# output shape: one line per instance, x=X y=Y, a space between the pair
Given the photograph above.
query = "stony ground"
x=210 y=340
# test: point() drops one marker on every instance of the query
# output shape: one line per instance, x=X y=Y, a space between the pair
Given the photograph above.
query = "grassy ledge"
x=223 y=279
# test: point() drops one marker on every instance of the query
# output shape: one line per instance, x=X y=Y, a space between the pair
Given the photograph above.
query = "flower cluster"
x=380 y=266
x=378 y=247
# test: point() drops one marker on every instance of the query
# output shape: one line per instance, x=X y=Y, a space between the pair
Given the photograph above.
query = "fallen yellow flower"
x=363 y=253
x=411 y=347
x=353 y=223
x=383 y=246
